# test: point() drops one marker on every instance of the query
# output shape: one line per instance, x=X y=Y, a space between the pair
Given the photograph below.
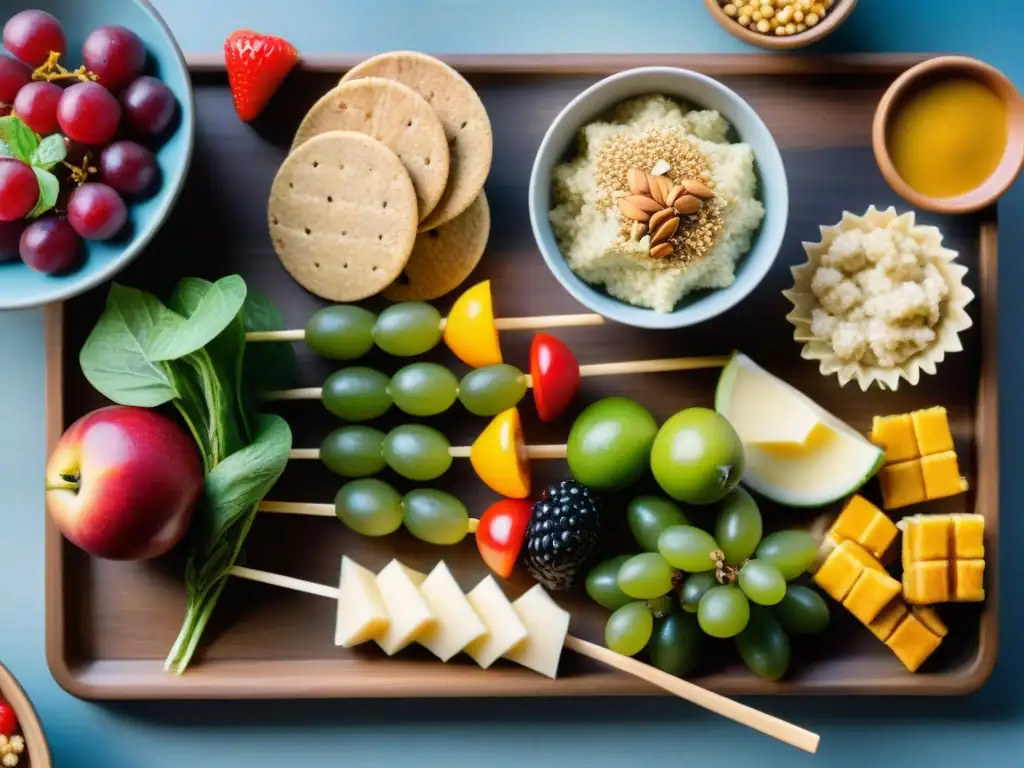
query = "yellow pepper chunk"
x=931 y=427
x=895 y=435
x=499 y=458
x=470 y=331
x=913 y=642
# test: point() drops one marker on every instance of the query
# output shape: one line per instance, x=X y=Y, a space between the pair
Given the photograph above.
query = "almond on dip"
x=657 y=204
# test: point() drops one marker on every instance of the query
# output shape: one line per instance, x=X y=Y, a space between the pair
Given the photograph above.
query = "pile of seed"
x=698 y=233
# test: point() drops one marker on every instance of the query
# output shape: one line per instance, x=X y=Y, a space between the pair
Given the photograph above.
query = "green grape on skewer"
x=358 y=393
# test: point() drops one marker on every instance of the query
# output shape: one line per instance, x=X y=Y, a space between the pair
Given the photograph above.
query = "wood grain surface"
x=109 y=625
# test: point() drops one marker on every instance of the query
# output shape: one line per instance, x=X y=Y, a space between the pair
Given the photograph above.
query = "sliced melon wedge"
x=797 y=453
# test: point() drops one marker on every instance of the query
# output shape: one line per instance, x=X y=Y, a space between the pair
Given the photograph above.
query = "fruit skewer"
x=407 y=329
x=499 y=455
x=713 y=702
x=428 y=389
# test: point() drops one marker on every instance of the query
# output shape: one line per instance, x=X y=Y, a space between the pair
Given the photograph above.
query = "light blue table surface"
x=986 y=728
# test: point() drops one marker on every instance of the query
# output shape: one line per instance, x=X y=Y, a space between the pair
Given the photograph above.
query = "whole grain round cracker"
x=343 y=215
x=462 y=114
x=395 y=115
x=443 y=258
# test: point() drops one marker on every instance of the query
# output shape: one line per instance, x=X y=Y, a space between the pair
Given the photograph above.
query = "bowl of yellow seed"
x=780 y=24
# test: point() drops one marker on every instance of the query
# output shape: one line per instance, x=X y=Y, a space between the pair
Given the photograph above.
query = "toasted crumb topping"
x=699 y=232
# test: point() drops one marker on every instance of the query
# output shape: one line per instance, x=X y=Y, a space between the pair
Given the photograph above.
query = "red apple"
x=123 y=483
x=500 y=534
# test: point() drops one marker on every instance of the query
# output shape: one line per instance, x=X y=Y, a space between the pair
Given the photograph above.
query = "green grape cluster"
x=359 y=393
x=728 y=582
x=414 y=451
x=347 y=332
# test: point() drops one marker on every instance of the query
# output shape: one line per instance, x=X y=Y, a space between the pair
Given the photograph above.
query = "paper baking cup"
x=954 y=317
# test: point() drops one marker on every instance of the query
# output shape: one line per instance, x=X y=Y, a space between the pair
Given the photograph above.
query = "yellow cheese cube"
x=408 y=609
x=842 y=568
x=457 y=624
x=926 y=583
x=969 y=581
x=930 y=619
x=913 y=642
x=902 y=484
x=969 y=537
x=931 y=428
x=362 y=615
x=926 y=537
x=546 y=624
x=942 y=475
x=504 y=629
x=863 y=522
x=872 y=592
x=888 y=619
x=895 y=435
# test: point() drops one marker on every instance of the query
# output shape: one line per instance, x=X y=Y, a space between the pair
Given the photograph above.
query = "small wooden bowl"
x=835 y=16
x=37 y=751
x=936 y=69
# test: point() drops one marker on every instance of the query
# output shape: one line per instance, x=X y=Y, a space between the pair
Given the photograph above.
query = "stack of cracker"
x=382 y=191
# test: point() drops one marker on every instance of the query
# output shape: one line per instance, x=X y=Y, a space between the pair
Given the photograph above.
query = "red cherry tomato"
x=500 y=534
x=555 y=374
x=8 y=720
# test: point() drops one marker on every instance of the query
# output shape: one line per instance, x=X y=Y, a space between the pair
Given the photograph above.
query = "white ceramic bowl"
x=700 y=91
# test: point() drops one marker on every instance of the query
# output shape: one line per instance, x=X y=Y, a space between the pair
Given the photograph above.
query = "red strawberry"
x=257 y=64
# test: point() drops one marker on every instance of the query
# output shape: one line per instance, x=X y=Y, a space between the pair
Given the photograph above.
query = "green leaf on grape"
x=675 y=645
x=739 y=526
x=764 y=645
x=792 y=552
x=629 y=629
x=19 y=138
x=802 y=611
x=723 y=611
x=762 y=582
x=49 y=188
x=50 y=151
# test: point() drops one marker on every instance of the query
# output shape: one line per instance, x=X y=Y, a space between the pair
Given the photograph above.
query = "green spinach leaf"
x=217 y=308
x=113 y=358
x=243 y=478
x=224 y=355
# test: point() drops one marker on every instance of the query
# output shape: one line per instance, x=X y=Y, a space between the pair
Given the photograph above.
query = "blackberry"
x=564 y=533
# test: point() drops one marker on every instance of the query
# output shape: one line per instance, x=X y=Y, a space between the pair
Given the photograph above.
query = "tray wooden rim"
x=120 y=680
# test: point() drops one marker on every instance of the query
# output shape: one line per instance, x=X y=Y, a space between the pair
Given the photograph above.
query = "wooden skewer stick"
x=456 y=452
x=501 y=323
x=320 y=510
x=591 y=369
x=713 y=702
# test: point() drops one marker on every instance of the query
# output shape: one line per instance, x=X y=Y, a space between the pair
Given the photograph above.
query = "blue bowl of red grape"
x=96 y=133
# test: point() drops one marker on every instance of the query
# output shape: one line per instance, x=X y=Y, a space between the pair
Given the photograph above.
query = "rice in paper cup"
x=879 y=299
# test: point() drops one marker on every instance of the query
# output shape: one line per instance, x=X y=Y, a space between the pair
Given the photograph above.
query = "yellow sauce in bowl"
x=949 y=137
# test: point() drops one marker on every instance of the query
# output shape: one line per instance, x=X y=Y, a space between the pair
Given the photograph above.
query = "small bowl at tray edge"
x=1013 y=158
x=835 y=16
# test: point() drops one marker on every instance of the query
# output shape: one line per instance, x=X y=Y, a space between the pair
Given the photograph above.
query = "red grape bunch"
x=73 y=142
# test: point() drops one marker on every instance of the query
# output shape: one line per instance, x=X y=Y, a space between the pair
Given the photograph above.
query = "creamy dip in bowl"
x=658 y=198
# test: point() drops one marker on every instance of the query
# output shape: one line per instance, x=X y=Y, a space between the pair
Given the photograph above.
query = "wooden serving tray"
x=109 y=625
